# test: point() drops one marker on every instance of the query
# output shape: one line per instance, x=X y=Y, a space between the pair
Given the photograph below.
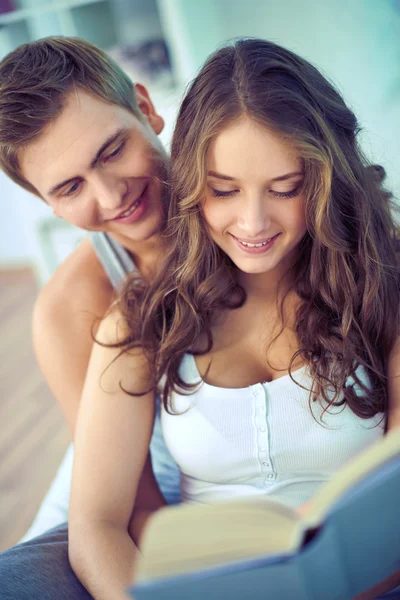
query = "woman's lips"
x=256 y=247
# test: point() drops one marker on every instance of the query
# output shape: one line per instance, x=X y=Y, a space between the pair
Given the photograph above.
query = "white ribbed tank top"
x=260 y=440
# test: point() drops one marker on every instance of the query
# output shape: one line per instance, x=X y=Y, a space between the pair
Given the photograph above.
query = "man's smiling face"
x=101 y=168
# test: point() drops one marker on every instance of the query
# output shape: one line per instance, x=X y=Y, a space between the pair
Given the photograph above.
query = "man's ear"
x=147 y=108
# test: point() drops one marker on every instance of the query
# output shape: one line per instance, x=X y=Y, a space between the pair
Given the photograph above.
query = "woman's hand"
x=303 y=509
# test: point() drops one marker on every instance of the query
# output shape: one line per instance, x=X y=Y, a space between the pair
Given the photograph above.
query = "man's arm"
x=66 y=312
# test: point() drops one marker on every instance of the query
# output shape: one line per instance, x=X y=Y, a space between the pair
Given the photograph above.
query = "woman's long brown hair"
x=346 y=274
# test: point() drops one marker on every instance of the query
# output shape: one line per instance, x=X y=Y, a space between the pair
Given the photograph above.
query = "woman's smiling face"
x=254 y=203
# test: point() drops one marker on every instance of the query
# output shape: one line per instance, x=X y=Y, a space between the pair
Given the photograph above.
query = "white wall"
x=14 y=236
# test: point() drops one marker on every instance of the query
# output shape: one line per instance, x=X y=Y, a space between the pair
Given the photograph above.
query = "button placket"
x=262 y=434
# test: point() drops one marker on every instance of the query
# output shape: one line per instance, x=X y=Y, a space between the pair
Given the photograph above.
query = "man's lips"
x=122 y=214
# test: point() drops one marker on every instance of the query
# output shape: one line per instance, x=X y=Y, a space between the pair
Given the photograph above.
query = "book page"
x=192 y=537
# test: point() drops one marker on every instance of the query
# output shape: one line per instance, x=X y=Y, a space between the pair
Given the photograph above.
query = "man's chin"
x=136 y=233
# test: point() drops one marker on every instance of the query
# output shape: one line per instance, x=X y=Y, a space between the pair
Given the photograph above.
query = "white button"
x=271 y=476
x=262 y=428
x=265 y=464
x=263 y=449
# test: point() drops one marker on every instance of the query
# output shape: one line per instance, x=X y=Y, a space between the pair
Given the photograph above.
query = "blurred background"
x=160 y=43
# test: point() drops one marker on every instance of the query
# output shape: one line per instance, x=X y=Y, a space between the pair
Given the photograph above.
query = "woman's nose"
x=254 y=219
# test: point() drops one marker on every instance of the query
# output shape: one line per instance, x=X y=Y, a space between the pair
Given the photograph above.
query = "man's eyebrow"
x=60 y=185
x=110 y=140
x=280 y=178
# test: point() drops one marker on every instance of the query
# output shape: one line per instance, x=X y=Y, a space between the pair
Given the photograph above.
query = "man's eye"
x=73 y=189
x=114 y=153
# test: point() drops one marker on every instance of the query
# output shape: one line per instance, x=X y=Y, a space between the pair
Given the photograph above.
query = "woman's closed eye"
x=289 y=194
x=223 y=194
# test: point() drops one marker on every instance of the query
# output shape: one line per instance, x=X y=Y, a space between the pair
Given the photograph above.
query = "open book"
x=352 y=525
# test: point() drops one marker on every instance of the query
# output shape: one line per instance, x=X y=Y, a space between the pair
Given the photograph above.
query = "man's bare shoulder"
x=79 y=284
x=66 y=316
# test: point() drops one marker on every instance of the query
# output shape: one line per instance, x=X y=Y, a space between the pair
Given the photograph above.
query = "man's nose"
x=109 y=192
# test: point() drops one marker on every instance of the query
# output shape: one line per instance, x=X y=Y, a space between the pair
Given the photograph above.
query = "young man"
x=76 y=132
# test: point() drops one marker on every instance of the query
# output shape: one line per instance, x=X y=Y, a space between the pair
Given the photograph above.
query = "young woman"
x=272 y=328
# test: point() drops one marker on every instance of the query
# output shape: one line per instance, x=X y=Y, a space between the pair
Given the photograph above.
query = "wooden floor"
x=33 y=434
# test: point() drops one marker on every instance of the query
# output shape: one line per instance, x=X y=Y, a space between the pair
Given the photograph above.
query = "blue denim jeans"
x=40 y=570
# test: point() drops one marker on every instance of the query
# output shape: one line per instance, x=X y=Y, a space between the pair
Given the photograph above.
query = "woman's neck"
x=270 y=285
x=265 y=286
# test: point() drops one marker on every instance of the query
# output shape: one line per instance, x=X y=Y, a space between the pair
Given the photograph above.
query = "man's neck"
x=145 y=254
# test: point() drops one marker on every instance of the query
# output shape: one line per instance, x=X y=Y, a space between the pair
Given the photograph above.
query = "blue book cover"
x=351 y=543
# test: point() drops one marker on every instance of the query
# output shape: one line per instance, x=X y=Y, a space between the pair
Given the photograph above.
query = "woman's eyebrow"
x=220 y=176
x=288 y=176
x=280 y=178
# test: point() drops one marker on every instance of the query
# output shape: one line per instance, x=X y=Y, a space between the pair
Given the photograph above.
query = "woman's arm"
x=111 y=449
x=393 y=375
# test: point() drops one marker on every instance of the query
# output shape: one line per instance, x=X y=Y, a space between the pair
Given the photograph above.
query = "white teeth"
x=130 y=211
x=248 y=245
